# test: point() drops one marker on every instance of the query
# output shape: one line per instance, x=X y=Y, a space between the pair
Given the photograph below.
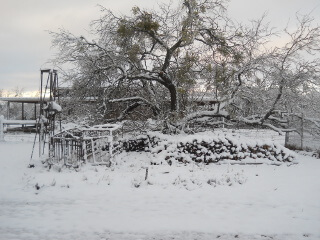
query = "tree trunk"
x=173 y=97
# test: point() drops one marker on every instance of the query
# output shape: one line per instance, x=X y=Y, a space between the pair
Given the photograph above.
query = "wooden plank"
x=1 y=129
x=19 y=122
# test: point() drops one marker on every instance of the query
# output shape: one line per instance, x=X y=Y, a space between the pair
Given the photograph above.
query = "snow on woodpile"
x=208 y=148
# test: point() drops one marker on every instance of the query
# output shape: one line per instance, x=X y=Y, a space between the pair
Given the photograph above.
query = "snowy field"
x=175 y=202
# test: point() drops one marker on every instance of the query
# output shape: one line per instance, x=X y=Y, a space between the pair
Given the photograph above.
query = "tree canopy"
x=170 y=62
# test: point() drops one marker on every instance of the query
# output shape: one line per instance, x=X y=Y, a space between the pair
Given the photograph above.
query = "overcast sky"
x=25 y=45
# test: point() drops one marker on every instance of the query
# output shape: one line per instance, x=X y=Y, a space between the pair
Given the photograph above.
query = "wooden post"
x=1 y=129
x=50 y=85
x=93 y=153
x=41 y=136
x=22 y=113
x=84 y=149
x=302 y=122
x=110 y=140
x=146 y=177
x=286 y=141
x=287 y=137
x=35 y=111
x=8 y=110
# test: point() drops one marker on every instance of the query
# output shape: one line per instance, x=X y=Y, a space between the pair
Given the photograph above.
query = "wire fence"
x=306 y=141
x=307 y=134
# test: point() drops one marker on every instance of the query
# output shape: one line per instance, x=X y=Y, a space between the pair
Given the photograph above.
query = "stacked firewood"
x=217 y=150
x=208 y=150
x=138 y=144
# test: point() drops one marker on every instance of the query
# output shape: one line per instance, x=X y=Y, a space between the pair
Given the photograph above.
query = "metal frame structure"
x=49 y=95
x=76 y=146
x=49 y=92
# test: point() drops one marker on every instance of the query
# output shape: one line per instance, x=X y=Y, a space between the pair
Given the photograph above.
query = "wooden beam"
x=8 y=110
x=35 y=111
x=22 y=113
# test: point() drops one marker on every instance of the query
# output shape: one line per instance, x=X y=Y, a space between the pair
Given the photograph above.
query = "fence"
x=307 y=134
x=81 y=145
x=4 y=122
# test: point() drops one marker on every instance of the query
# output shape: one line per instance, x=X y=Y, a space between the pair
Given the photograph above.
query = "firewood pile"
x=208 y=150
x=214 y=151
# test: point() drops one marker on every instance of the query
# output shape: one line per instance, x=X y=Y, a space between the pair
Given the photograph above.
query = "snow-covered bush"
x=227 y=179
x=317 y=154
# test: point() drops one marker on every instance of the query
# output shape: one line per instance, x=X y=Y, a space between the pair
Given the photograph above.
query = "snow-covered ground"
x=175 y=202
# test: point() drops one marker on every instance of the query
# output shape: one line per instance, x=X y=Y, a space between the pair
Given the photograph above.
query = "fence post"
x=286 y=141
x=8 y=110
x=302 y=122
x=1 y=128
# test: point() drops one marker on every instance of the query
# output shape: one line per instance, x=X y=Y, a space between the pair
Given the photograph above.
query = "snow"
x=23 y=99
x=55 y=106
x=192 y=201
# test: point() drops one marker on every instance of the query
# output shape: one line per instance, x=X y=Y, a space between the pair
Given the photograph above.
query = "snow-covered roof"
x=84 y=131
x=103 y=127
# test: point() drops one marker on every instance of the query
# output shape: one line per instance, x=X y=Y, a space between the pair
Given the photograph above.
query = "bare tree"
x=148 y=48
x=290 y=74
x=162 y=60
